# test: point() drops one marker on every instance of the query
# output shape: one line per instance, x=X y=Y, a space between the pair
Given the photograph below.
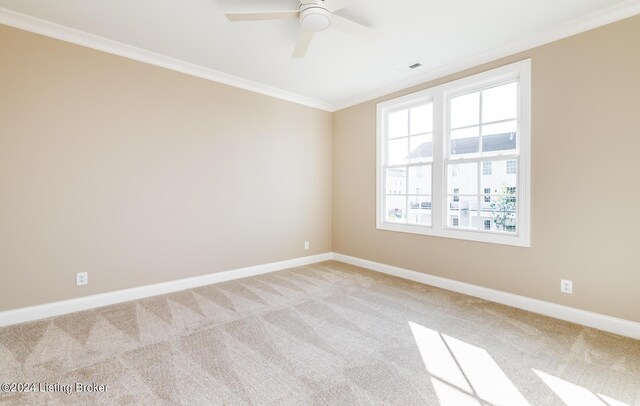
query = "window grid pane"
x=503 y=214
x=463 y=209
x=419 y=210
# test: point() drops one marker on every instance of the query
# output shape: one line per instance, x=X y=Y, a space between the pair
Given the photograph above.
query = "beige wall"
x=585 y=191
x=139 y=175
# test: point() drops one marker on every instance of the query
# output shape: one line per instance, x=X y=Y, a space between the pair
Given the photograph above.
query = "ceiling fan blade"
x=303 y=43
x=267 y=15
x=352 y=27
x=335 y=5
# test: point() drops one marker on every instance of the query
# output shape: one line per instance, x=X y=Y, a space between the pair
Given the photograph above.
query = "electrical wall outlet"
x=566 y=286
x=306 y=245
x=82 y=278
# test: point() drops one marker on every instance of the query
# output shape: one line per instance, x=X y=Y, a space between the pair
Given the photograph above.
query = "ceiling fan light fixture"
x=315 y=18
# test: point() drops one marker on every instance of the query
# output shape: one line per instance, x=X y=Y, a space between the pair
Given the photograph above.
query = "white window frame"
x=520 y=71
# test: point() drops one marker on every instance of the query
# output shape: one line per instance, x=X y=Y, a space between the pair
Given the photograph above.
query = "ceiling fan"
x=314 y=16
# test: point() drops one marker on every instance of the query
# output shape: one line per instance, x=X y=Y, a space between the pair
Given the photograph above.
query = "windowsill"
x=469 y=235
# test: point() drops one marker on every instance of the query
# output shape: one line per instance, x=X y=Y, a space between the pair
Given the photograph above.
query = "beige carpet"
x=328 y=333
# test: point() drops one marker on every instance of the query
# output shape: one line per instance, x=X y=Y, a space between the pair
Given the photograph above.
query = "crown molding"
x=578 y=25
x=587 y=22
x=85 y=39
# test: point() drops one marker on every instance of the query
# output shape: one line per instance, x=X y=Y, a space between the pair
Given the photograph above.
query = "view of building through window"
x=408 y=174
x=483 y=124
x=496 y=204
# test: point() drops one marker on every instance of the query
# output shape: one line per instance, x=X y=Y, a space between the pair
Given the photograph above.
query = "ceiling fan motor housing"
x=314 y=17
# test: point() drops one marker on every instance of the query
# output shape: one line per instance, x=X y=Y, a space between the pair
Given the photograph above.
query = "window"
x=511 y=192
x=486 y=168
x=457 y=156
x=407 y=169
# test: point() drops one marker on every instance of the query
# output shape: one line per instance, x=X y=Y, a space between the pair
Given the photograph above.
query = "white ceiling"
x=338 y=70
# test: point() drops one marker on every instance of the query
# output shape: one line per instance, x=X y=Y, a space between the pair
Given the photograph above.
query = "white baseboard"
x=599 y=321
x=103 y=299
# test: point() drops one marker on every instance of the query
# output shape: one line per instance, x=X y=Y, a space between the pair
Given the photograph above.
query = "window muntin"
x=477 y=157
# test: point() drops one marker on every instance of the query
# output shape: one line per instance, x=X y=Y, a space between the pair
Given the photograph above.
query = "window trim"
x=520 y=71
